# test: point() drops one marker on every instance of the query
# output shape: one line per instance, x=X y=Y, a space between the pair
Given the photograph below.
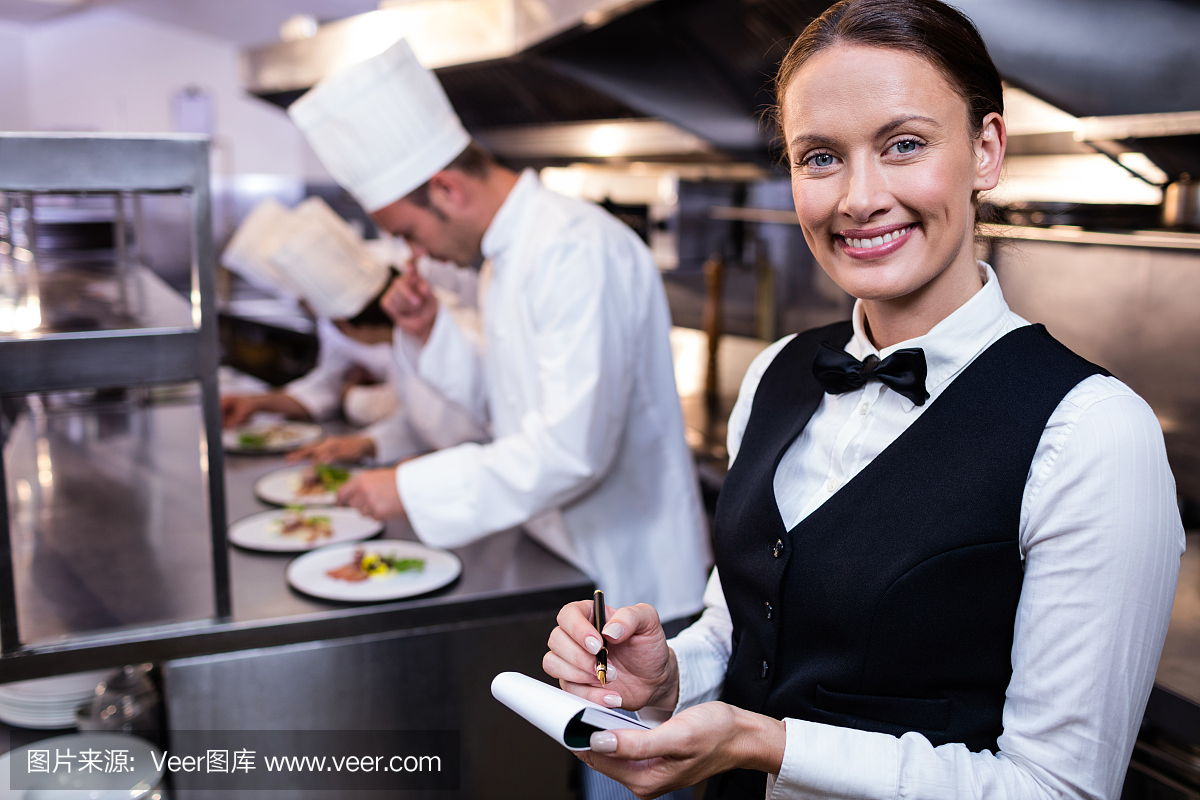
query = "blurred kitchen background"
x=655 y=108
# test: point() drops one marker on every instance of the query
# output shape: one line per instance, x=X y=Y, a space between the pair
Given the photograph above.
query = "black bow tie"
x=903 y=371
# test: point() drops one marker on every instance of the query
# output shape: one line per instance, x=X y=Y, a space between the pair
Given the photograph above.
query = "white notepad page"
x=564 y=717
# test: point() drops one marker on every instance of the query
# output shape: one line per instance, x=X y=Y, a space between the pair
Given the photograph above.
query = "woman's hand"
x=642 y=669
x=695 y=744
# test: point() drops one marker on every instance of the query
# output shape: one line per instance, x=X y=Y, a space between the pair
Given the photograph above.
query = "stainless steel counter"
x=110 y=543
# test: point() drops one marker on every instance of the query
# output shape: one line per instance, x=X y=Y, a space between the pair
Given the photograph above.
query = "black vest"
x=891 y=607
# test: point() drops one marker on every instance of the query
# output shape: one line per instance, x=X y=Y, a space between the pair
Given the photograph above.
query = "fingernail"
x=592 y=645
x=614 y=630
x=604 y=742
x=613 y=700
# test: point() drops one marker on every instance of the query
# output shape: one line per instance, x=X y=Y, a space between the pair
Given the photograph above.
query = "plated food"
x=303 y=485
x=298 y=528
x=273 y=437
x=383 y=570
x=303 y=526
x=368 y=565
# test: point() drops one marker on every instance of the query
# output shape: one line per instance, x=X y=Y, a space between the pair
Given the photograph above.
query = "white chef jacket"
x=1100 y=537
x=575 y=379
x=320 y=390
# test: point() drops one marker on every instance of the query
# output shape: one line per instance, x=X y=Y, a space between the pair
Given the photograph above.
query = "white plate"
x=48 y=702
x=285 y=436
x=308 y=572
x=280 y=487
x=61 y=785
x=261 y=531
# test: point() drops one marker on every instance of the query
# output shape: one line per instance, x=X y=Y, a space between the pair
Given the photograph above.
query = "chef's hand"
x=373 y=493
x=237 y=408
x=643 y=671
x=695 y=744
x=335 y=449
x=410 y=302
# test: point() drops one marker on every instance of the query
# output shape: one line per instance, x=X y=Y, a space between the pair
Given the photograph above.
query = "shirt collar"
x=952 y=343
x=502 y=232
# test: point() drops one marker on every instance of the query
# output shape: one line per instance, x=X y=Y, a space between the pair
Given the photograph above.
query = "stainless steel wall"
x=1134 y=311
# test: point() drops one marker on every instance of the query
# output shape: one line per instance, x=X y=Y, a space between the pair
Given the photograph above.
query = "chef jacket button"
x=864 y=408
x=832 y=485
x=777 y=550
x=763 y=670
x=770 y=609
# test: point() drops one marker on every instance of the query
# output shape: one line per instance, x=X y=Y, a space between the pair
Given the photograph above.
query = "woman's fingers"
x=570 y=650
x=574 y=680
x=576 y=620
x=625 y=622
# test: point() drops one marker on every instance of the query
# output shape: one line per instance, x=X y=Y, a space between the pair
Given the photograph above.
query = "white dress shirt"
x=575 y=379
x=1100 y=537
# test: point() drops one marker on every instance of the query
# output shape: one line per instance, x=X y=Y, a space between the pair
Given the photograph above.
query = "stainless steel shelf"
x=174 y=340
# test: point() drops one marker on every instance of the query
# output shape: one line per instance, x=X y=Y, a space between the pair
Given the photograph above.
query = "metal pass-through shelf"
x=159 y=339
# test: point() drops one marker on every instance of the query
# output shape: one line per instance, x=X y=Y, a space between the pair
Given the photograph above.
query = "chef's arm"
x=449 y=363
x=319 y=392
x=586 y=330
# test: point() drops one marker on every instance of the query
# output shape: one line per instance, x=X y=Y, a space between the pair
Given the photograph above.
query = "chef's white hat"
x=382 y=127
x=249 y=252
x=328 y=262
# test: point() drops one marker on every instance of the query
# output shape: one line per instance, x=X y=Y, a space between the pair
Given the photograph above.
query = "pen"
x=598 y=621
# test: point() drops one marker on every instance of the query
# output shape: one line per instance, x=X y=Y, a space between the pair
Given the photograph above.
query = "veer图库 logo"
x=214 y=760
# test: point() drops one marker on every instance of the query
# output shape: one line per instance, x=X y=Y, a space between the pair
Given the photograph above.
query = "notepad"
x=564 y=717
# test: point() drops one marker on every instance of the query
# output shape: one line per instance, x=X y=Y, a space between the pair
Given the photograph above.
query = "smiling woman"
x=947 y=546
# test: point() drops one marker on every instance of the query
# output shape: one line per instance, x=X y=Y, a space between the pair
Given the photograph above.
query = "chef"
x=312 y=255
x=574 y=375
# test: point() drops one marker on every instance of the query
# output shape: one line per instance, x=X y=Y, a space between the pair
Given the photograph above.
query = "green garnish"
x=252 y=440
x=406 y=564
x=331 y=477
x=378 y=565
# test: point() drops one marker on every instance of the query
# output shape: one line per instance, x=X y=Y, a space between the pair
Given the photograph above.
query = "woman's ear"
x=989 y=148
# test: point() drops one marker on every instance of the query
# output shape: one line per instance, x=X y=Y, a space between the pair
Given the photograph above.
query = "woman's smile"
x=871 y=243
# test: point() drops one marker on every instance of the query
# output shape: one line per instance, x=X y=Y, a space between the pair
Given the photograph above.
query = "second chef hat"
x=328 y=262
x=249 y=252
x=382 y=127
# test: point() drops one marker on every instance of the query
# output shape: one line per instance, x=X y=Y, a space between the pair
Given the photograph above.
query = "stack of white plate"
x=48 y=702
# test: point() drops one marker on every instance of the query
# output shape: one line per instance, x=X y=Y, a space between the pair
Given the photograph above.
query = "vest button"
x=763 y=671
x=777 y=550
x=770 y=609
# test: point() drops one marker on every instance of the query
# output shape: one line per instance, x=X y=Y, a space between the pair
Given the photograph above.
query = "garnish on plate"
x=322 y=479
x=379 y=566
x=311 y=528
x=276 y=435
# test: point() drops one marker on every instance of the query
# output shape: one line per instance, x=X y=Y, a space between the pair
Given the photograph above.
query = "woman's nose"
x=866 y=192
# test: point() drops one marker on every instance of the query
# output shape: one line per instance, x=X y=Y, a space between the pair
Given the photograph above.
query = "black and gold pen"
x=598 y=621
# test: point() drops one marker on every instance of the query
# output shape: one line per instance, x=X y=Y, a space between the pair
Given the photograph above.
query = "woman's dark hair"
x=373 y=313
x=939 y=33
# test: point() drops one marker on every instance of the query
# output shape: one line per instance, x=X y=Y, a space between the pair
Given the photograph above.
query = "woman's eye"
x=819 y=160
x=906 y=146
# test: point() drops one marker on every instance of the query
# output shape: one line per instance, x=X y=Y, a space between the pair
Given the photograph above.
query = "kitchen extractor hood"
x=703 y=68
